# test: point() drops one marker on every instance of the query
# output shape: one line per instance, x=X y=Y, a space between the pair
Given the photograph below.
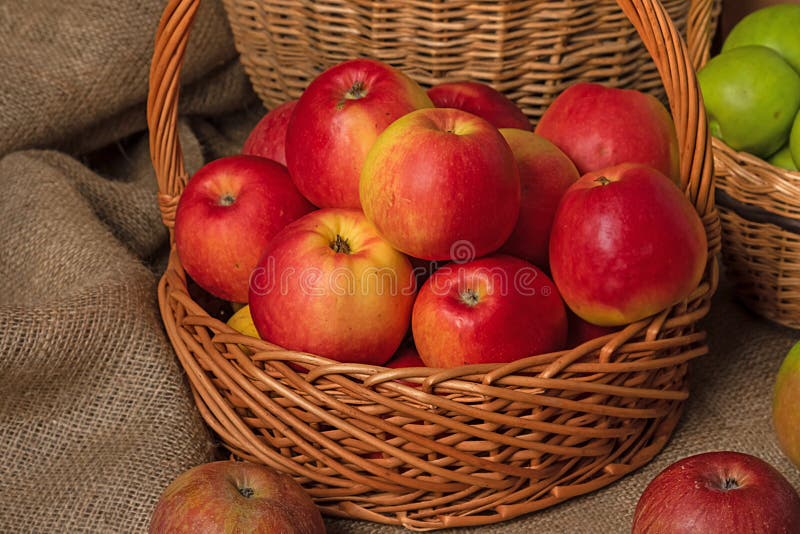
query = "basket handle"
x=649 y=17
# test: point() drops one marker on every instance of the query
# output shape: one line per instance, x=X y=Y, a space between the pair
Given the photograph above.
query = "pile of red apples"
x=372 y=219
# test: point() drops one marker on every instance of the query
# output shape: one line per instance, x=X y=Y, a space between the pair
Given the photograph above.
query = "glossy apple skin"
x=268 y=137
x=626 y=243
x=786 y=405
x=330 y=133
x=598 y=126
x=348 y=306
x=482 y=100
x=690 y=496
x=211 y=499
x=513 y=311
x=545 y=174
x=218 y=243
x=439 y=178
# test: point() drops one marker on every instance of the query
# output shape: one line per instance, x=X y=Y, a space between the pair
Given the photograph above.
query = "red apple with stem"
x=440 y=178
x=231 y=497
x=482 y=100
x=719 y=492
x=545 y=174
x=268 y=137
x=328 y=284
x=227 y=214
x=598 y=126
x=495 y=309
x=626 y=243
x=336 y=121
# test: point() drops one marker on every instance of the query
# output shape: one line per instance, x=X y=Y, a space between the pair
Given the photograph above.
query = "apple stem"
x=227 y=199
x=340 y=245
x=247 y=492
x=469 y=297
x=358 y=90
x=602 y=180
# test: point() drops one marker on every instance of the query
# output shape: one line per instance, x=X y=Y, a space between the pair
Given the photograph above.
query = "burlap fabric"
x=95 y=415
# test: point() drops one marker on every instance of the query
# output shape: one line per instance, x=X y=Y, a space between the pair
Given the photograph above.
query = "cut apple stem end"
x=602 y=180
x=227 y=199
x=469 y=297
x=246 y=492
x=339 y=244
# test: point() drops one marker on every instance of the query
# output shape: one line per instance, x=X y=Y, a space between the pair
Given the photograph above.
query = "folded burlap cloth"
x=96 y=416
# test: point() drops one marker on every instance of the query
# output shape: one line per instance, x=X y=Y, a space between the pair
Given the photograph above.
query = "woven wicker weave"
x=530 y=50
x=466 y=446
x=759 y=208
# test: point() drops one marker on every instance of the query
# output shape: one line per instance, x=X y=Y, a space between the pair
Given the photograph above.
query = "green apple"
x=786 y=405
x=783 y=159
x=794 y=142
x=775 y=26
x=751 y=95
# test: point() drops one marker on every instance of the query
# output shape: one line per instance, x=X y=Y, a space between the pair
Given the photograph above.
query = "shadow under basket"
x=430 y=448
x=759 y=206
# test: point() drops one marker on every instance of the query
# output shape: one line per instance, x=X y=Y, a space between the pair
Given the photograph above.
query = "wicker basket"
x=530 y=50
x=442 y=448
x=759 y=206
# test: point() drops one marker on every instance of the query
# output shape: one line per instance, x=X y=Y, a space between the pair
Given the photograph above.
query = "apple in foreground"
x=626 y=243
x=495 y=309
x=718 y=493
x=545 y=174
x=336 y=121
x=268 y=137
x=786 y=405
x=227 y=214
x=439 y=178
x=482 y=100
x=328 y=284
x=231 y=497
x=598 y=126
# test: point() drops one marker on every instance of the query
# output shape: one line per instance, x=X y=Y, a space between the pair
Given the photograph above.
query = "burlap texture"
x=95 y=414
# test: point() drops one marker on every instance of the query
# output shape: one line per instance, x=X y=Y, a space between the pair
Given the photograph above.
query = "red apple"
x=580 y=331
x=232 y=497
x=441 y=178
x=491 y=310
x=718 y=493
x=268 y=137
x=626 y=243
x=406 y=356
x=545 y=174
x=598 y=127
x=330 y=285
x=786 y=405
x=335 y=122
x=227 y=214
x=482 y=100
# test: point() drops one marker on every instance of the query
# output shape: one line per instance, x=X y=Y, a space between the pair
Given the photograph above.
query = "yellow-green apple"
x=783 y=158
x=545 y=174
x=228 y=212
x=268 y=137
x=786 y=405
x=440 y=177
x=626 y=243
x=751 y=95
x=491 y=310
x=335 y=122
x=328 y=284
x=482 y=100
x=772 y=26
x=598 y=126
x=794 y=141
x=718 y=492
x=229 y=497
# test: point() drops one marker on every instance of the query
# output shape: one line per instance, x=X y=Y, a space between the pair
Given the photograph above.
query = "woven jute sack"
x=471 y=445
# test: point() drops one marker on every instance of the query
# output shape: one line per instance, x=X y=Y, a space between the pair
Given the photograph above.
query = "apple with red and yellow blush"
x=268 y=137
x=482 y=100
